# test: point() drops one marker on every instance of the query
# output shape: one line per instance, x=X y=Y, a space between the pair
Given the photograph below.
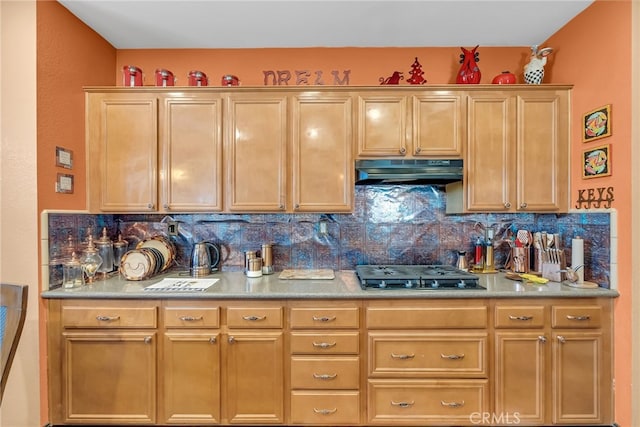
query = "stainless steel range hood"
x=410 y=171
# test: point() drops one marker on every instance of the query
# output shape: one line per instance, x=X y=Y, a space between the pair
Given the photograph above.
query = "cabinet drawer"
x=519 y=317
x=328 y=408
x=254 y=317
x=177 y=317
x=109 y=317
x=426 y=317
x=324 y=318
x=448 y=402
x=428 y=355
x=576 y=316
x=325 y=343
x=325 y=373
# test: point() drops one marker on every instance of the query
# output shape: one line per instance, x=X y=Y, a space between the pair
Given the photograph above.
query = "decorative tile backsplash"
x=389 y=225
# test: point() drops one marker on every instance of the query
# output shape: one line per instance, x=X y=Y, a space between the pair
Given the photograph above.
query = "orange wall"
x=70 y=56
x=367 y=65
x=594 y=53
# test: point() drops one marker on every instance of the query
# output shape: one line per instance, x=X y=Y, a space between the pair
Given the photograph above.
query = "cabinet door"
x=579 y=377
x=191 y=368
x=520 y=376
x=255 y=377
x=322 y=158
x=382 y=125
x=490 y=160
x=438 y=125
x=542 y=152
x=109 y=377
x=122 y=146
x=256 y=153
x=191 y=157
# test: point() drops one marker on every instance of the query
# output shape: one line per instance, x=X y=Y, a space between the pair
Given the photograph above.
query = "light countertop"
x=345 y=285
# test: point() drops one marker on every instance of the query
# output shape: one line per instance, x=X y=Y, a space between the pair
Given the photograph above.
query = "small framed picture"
x=64 y=158
x=596 y=162
x=597 y=124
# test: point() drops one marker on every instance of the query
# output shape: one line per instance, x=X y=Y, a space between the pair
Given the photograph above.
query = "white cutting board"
x=307 y=274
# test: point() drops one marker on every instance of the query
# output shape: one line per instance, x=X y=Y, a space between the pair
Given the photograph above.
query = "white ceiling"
x=183 y=24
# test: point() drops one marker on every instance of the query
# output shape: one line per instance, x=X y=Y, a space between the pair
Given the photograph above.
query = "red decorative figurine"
x=469 y=72
x=416 y=74
x=394 y=79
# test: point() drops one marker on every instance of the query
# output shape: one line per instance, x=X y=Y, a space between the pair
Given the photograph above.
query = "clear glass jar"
x=105 y=250
x=91 y=261
x=120 y=248
x=72 y=273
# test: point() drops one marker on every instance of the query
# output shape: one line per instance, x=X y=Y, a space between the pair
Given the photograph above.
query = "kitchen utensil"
x=266 y=253
x=462 y=263
x=204 y=259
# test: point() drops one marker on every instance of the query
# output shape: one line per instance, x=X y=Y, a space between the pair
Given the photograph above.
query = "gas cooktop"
x=427 y=277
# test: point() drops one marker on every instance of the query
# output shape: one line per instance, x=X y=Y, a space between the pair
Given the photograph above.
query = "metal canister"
x=266 y=254
x=249 y=255
x=255 y=267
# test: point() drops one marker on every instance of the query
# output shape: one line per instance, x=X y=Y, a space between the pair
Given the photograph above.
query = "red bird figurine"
x=469 y=72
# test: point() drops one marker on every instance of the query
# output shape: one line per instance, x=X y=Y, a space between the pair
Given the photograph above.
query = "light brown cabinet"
x=517 y=157
x=427 y=363
x=402 y=125
x=253 y=355
x=104 y=369
x=289 y=152
x=553 y=362
x=325 y=364
x=526 y=361
x=150 y=152
x=189 y=389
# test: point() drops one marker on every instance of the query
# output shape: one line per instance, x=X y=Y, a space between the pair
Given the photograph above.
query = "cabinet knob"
x=418 y=150
x=542 y=338
x=523 y=205
x=403 y=151
x=147 y=340
x=231 y=339
x=507 y=205
x=281 y=207
x=297 y=206
x=213 y=340
x=561 y=339
x=165 y=206
x=150 y=206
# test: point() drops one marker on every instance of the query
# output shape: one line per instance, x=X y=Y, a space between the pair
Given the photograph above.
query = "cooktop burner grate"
x=415 y=277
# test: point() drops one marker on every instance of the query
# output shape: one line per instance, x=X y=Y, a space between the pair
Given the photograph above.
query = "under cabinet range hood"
x=409 y=171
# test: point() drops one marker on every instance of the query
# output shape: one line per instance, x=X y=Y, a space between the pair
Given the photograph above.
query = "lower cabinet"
x=386 y=362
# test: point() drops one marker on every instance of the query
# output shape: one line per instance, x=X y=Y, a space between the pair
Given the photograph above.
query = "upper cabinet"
x=406 y=125
x=321 y=161
x=517 y=156
x=148 y=152
x=292 y=149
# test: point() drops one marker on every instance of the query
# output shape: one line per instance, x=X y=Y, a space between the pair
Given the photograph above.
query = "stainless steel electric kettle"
x=204 y=259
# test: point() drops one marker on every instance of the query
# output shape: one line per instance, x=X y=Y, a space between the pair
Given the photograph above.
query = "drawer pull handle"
x=254 y=318
x=190 y=318
x=452 y=356
x=452 y=404
x=571 y=317
x=324 y=344
x=402 y=356
x=324 y=318
x=325 y=411
x=520 y=317
x=107 y=318
x=403 y=404
x=324 y=376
